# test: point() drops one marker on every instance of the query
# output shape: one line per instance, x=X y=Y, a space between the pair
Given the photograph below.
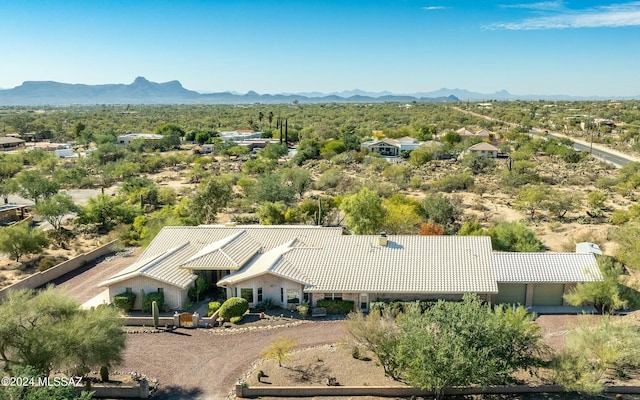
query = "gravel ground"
x=198 y=364
x=83 y=283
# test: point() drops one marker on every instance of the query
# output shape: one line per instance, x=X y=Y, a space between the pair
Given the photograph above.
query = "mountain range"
x=142 y=91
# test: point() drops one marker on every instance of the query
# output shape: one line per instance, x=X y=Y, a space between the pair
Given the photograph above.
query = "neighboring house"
x=239 y=135
x=291 y=264
x=11 y=213
x=484 y=149
x=391 y=147
x=483 y=134
x=126 y=139
x=541 y=279
x=11 y=144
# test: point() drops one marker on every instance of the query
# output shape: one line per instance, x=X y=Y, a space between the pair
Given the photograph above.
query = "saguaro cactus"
x=155 y=313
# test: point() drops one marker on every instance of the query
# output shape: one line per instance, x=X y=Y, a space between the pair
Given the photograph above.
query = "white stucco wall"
x=271 y=286
x=174 y=297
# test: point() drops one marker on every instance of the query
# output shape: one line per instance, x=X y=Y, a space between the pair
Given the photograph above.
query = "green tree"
x=452 y=343
x=531 y=198
x=279 y=349
x=421 y=155
x=270 y=188
x=211 y=198
x=401 y=215
x=460 y=344
x=274 y=151
x=7 y=188
x=272 y=213
x=76 y=340
x=106 y=211
x=594 y=351
x=514 y=236
x=364 y=212
x=54 y=209
x=628 y=239
x=440 y=210
x=596 y=199
x=606 y=295
x=35 y=186
x=21 y=239
x=299 y=179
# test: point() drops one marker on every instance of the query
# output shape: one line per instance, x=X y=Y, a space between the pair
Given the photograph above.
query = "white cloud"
x=542 y=5
x=433 y=8
x=613 y=16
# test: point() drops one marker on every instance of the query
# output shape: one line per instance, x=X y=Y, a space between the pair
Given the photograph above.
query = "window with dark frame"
x=259 y=294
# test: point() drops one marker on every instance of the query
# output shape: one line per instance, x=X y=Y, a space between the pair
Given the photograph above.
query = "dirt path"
x=196 y=364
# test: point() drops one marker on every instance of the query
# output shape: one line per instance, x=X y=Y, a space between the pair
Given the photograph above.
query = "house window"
x=128 y=290
x=259 y=294
x=293 y=296
x=306 y=297
x=333 y=296
x=235 y=292
x=161 y=290
x=282 y=295
x=247 y=294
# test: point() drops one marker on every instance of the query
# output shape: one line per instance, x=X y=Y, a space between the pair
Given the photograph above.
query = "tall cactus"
x=155 y=313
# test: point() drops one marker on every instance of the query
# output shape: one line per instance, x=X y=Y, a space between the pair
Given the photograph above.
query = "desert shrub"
x=46 y=262
x=150 y=298
x=303 y=309
x=453 y=182
x=212 y=307
x=233 y=307
x=124 y=301
x=266 y=304
x=336 y=306
x=236 y=320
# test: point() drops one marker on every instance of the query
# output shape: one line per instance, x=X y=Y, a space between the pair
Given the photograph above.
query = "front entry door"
x=364 y=302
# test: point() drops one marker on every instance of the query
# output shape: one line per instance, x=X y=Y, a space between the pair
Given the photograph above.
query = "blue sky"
x=583 y=48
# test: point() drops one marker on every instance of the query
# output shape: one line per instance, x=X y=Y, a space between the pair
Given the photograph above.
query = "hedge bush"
x=212 y=308
x=236 y=320
x=150 y=298
x=336 y=306
x=124 y=301
x=233 y=307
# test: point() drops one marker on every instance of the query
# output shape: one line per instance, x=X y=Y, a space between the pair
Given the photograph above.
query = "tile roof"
x=157 y=267
x=408 y=264
x=546 y=267
x=213 y=247
x=483 y=146
x=231 y=253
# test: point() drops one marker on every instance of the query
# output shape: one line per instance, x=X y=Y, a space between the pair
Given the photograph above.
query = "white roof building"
x=289 y=264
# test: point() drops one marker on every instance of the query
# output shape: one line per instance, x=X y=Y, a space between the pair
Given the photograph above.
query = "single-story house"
x=292 y=264
x=391 y=147
x=126 y=139
x=11 y=144
x=484 y=149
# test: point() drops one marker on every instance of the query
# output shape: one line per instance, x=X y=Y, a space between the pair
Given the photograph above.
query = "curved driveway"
x=196 y=364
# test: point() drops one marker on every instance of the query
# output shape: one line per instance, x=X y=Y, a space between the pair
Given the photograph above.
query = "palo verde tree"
x=364 y=212
x=21 y=239
x=210 y=198
x=54 y=208
x=453 y=344
x=48 y=330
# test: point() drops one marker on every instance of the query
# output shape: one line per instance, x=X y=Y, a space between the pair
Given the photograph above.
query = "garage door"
x=511 y=293
x=547 y=294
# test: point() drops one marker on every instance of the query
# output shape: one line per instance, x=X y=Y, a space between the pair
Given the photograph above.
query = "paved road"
x=598 y=151
x=613 y=157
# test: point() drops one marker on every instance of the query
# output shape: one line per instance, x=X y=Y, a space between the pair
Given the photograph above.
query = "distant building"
x=11 y=143
x=391 y=147
x=126 y=139
x=12 y=213
x=484 y=149
x=239 y=135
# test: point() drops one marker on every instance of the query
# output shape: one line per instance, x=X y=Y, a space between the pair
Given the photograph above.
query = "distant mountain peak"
x=140 y=80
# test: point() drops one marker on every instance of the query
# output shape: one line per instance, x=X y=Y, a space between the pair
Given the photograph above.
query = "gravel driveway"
x=196 y=364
